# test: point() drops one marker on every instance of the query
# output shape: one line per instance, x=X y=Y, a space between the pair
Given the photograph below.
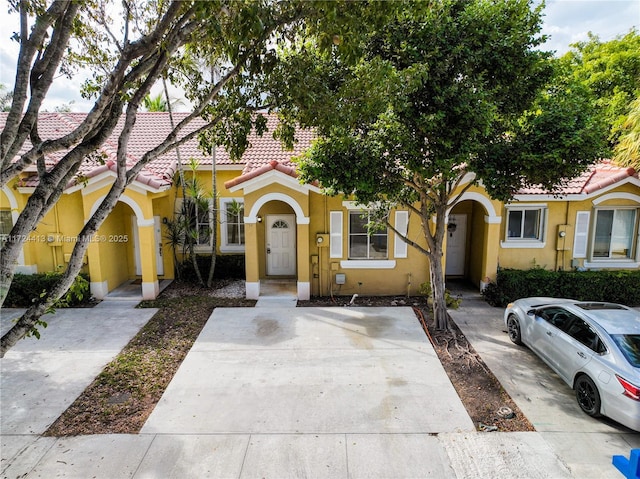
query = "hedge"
x=228 y=266
x=27 y=288
x=611 y=286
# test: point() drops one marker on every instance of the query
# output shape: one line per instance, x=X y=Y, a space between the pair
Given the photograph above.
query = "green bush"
x=612 y=286
x=27 y=288
x=228 y=266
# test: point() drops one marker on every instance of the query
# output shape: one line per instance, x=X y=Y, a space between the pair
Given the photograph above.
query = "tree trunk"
x=214 y=220
x=441 y=317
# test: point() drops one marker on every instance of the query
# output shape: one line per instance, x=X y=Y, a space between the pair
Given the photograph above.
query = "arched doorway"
x=470 y=253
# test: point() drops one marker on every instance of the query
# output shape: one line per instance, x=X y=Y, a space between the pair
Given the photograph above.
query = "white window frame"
x=518 y=242
x=224 y=246
x=363 y=212
x=634 y=258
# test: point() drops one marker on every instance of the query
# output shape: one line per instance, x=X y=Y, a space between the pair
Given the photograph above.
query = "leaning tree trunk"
x=30 y=319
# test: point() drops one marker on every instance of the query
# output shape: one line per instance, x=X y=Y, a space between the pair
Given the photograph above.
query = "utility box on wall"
x=322 y=240
x=341 y=278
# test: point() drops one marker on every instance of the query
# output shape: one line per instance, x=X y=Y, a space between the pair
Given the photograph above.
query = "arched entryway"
x=277 y=237
x=126 y=251
x=471 y=243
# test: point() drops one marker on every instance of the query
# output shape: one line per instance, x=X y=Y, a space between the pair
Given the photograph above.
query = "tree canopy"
x=441 y=90
x=127 y=47
x=611 y=71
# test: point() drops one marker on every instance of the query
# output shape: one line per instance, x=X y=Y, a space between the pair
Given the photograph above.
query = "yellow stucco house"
x=291 y=230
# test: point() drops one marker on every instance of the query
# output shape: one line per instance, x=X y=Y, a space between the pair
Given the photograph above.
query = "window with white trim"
x=364 y=242
x=614 y=233
x=525 y=225
x=232 y=225
x=6 y=225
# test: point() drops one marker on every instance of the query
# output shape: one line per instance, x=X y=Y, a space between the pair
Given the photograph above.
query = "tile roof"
x=599 y=175
x=287 y=169
x=263 y=155
x=150 y=129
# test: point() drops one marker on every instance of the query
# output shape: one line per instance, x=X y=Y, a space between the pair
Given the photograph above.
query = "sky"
x=565 y=21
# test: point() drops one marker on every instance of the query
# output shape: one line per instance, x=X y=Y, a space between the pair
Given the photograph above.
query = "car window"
x=629 y=344
x=559 y=317
x=582 y=332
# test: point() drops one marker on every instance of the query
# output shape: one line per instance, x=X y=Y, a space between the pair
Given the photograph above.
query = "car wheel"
x=588 y=396
x=513 y=329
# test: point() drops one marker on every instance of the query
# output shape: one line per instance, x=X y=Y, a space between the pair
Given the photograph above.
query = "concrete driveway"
x=292 y=392
x=585 y=444
x=310 y=370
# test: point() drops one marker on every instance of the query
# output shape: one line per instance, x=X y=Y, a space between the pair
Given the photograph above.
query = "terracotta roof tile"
x=150 y=129
x=287 y=169
x=596 y=177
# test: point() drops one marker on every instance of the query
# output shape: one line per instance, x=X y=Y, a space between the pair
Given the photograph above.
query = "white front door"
x=456 y=245
x=281 y=245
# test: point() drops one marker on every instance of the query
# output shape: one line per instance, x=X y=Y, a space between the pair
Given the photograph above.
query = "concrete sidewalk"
x=586 y=445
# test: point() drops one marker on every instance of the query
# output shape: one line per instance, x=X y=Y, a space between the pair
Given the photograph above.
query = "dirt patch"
x=122 y=397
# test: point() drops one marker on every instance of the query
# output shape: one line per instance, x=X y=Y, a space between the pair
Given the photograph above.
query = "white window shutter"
x=401 y=225
x=582 y=234
x=335 y=237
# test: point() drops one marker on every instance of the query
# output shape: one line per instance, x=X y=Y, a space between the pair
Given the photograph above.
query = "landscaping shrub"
x=27 y=288
x=228 y=266
x=611 y=286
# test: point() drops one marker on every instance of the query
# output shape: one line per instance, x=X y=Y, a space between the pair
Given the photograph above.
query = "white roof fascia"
x=273 y=176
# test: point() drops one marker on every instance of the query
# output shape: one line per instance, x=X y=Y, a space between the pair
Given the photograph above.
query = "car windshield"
x=629 y=344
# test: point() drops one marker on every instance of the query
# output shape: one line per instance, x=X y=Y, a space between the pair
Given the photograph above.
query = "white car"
x=593 y=346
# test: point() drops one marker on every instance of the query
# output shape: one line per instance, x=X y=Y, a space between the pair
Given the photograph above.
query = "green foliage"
x=612 y=286
x=228 y=266
x=627 y=151
x=451 y=301
x=28 y=288
x=611 y=71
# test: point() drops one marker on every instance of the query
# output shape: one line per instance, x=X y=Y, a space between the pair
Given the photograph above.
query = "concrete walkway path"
x=586 y=445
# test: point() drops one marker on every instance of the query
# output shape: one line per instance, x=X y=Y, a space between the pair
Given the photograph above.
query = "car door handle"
x=582 y=355
x=549 y=333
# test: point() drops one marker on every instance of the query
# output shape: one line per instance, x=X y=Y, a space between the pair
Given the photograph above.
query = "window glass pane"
x=361 y=244
x=203 y=234
x=531 y=223
x=622 y=233
x=234 y=212
x=358 y=222
x=378 y=246
x=515 y=224
x=602 y=240
x=358 y=245
x=6 y=222
x=580 y=331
